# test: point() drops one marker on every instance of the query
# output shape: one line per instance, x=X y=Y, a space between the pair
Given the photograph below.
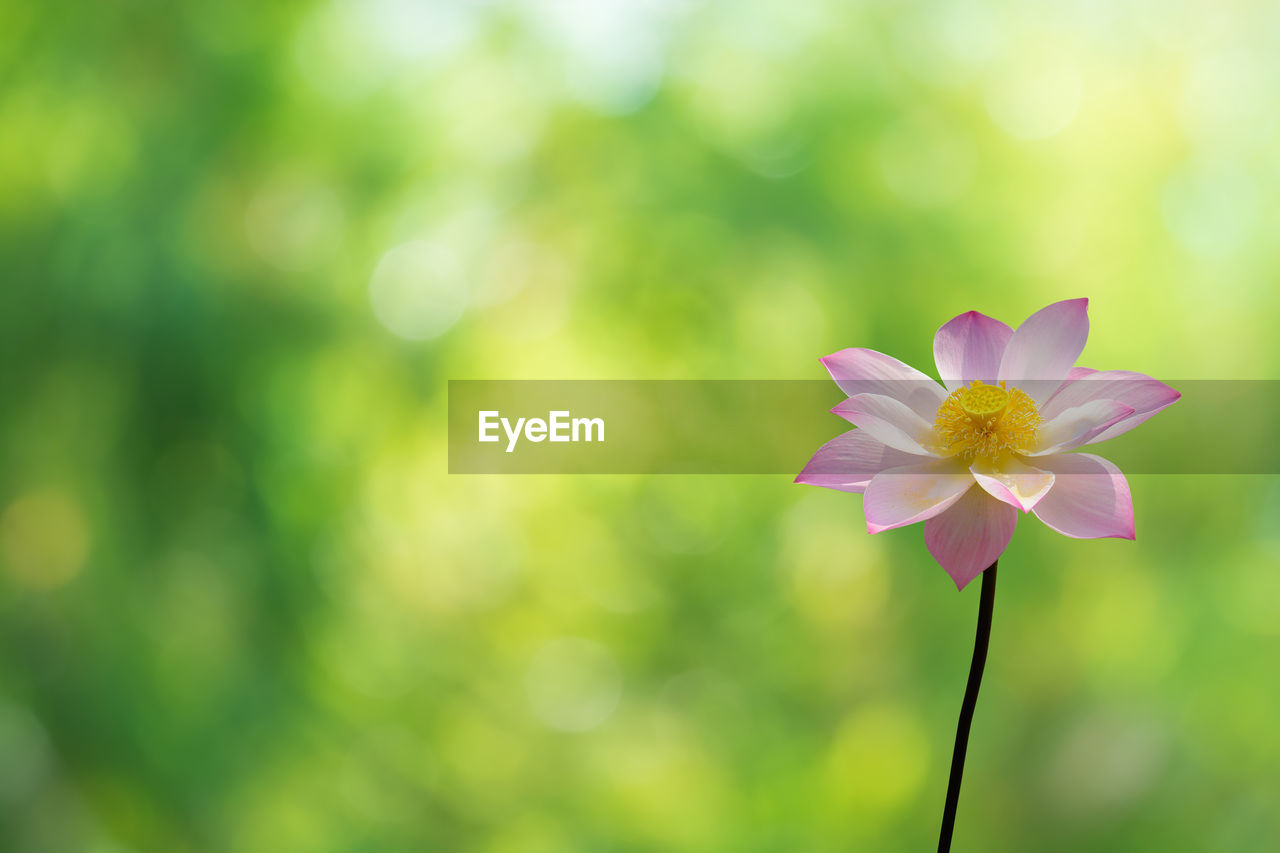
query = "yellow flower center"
x=990 y=422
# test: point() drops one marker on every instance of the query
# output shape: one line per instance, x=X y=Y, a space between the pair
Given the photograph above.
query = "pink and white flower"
x=1011 y=407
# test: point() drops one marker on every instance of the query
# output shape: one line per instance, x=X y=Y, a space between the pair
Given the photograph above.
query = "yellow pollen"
x=990 y=422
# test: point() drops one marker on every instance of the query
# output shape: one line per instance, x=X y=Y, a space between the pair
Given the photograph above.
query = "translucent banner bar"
x=774 y=426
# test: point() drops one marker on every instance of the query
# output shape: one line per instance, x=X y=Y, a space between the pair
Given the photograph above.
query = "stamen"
x=989 y=422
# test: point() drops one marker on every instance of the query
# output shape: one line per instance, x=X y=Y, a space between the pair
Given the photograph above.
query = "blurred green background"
x=244 y=245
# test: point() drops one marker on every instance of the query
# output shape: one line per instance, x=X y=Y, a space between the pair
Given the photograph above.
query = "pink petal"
x=887 y=420
x=1016 y=483
x=970 y=347
x=1080 y=372
x=971 y=535
x=1045 y=347
x=1090 y=498
x=1145 y=395
x=1079 y=425
x=865 y=371
x=911 y=493
x=849 y=461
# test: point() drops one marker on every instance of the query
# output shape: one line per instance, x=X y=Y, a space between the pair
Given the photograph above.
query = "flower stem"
x=979 y=661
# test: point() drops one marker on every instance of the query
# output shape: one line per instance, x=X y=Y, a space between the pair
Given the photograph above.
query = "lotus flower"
x=1011 y=407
